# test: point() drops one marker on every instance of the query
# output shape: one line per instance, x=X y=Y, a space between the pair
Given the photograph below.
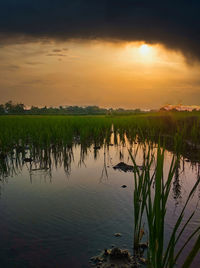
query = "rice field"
x=38 y=139
x=178 y=131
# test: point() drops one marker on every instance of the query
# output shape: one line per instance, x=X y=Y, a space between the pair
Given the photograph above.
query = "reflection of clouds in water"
x=91 y=195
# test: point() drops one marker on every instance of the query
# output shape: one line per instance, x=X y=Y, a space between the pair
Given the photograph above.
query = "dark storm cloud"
x=176 y=24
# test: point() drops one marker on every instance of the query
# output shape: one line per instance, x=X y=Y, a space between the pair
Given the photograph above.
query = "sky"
x=130 y=54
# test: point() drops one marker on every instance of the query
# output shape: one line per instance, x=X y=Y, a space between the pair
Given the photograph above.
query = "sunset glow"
x=144 y=49
x=127 y=74
x=99 y=133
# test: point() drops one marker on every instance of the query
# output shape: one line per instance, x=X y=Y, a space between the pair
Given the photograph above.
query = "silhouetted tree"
x=19 y=108
x=2 y=109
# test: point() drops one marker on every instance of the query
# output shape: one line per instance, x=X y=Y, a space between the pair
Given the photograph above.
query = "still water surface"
x=61 y=217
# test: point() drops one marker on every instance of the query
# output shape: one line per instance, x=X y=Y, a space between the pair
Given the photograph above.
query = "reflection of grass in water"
x=46 y=135
x=52 y=137
x=151 y=192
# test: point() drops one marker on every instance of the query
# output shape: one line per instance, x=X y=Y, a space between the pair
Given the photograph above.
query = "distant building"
x=180 y=107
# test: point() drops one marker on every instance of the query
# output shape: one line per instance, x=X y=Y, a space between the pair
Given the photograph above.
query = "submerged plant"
x=151 y=194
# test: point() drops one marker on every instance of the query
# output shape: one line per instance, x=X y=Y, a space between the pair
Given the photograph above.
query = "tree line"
x=10 y=108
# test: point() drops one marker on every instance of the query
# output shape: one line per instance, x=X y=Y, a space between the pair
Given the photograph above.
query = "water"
x=63 y=212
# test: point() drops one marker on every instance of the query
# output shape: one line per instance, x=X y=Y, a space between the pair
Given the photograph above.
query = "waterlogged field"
x=62 y=199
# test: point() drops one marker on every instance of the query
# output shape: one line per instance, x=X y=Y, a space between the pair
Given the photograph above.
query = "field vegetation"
x=179 y=132
x=151 y=194
x=174 y=129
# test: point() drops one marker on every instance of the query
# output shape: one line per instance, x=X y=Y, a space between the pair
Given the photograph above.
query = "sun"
x=141 y=53
x=144 y=49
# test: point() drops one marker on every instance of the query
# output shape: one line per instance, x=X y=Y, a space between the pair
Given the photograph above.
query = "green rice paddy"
x=177 y=132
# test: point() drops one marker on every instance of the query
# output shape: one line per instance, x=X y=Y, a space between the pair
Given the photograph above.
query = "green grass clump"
x=151 y=194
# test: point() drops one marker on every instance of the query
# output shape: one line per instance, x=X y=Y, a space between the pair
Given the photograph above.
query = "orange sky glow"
x=118 y=74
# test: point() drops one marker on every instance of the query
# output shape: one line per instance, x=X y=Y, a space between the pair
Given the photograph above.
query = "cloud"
x=55 y=55
x=33 y=63
x=57 y=50
x=174 y=23
x=10 y=67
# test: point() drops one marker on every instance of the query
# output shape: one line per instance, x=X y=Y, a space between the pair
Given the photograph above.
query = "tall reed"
x=151 y=194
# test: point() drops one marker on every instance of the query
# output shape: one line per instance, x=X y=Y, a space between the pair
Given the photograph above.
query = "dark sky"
x=176 y=24
x=138 y=56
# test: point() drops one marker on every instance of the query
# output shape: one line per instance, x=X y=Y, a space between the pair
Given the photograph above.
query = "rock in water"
x=117 y=234
x=124 y=167
x=117 y=253
x=115 y=257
